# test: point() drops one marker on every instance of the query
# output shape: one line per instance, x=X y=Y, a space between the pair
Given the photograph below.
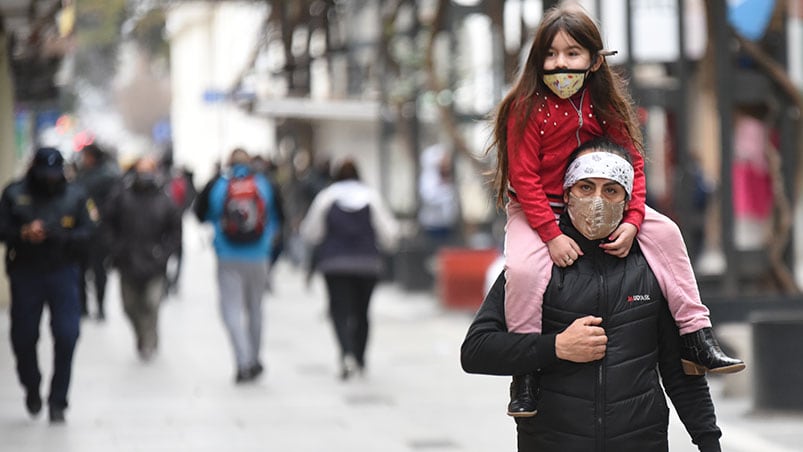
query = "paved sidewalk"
x=414 y=398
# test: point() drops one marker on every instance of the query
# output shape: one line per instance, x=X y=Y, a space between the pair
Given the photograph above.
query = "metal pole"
x=789 y=157
x=724 y=88
x=629 y=37
x=685 y=164
x=385 y=127
x=788 y=148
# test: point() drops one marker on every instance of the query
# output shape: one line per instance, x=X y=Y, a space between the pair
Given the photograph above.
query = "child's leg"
x=528 y=269
x=665 y=251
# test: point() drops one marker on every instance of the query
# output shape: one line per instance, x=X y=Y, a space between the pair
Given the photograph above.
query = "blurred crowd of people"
x=67 y=224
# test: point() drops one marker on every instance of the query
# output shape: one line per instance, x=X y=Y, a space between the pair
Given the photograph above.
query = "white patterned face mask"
x=595 y=217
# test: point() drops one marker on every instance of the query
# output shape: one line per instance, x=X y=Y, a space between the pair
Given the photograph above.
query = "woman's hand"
x=563 y=250
x=621 y=240
x=583 y=341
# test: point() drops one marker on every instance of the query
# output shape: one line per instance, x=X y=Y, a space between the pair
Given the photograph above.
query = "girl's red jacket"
x=537 y=158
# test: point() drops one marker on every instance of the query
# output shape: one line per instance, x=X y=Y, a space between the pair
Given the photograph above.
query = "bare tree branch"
x=446 y=114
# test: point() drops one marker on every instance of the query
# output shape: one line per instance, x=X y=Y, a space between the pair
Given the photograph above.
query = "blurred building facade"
x=34 y=37
x=314 y=80
x=384 y=80
x=210 y=43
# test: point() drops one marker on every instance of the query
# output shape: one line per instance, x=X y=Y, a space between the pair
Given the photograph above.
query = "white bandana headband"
x=600 y=164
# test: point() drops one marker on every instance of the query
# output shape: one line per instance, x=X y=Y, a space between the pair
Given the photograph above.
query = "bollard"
x=777 y=360
x=461 y=276
x=410 y=267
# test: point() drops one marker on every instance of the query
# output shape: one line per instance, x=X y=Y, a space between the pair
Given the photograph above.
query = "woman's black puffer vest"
x=616 y=404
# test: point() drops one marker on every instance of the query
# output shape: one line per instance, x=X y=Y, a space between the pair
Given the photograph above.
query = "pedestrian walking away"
x=267 y=168
x=350 y=226
x=241 y=207
x=46 y=224
x=180 y=186
x=439 y=213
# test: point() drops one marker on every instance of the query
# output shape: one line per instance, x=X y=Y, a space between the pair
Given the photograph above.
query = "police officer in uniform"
x=45 y=223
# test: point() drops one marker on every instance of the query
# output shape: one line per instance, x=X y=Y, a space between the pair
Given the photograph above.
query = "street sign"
x=750 y=18
x=214 y=96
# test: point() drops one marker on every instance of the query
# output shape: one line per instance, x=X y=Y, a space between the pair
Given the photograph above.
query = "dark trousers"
x=349 y=297
x=172 y=274
x=141 y=300
x=96 y=264
x=30 y=292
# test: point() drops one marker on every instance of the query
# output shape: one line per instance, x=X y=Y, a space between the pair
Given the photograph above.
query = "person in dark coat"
x=45 y=223
x=99 y=175
x=268 y=169
x=146 y=226
x=180 y=186
x=607 y=336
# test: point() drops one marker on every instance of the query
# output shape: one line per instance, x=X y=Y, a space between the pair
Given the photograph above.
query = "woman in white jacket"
x=350 y=227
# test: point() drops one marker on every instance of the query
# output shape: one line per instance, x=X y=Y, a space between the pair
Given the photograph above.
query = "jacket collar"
x=588 y=246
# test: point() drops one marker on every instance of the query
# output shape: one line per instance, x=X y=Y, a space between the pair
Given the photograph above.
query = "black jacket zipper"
x=600 y=399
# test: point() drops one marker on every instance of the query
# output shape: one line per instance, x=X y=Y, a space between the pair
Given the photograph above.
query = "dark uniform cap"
x=48 y=159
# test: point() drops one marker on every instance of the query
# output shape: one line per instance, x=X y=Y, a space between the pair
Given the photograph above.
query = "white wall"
x=654 y=29
x=357 y=139
x=210 y=44
x=360 y=140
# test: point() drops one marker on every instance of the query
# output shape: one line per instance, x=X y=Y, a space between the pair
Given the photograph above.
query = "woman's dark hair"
x=600 y=144
x=95 y=151
x=347 y=170
x=239 y=156
x=612 y=102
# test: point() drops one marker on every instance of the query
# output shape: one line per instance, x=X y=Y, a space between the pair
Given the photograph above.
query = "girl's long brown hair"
x=607 y=88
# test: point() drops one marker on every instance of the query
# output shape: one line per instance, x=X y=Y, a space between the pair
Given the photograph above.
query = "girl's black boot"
x=700 y=353
x=523 y=389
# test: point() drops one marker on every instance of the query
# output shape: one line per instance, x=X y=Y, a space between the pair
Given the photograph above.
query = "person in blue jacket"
x=240 y=205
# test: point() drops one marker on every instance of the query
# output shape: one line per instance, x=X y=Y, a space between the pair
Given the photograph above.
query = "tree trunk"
x=447 y=116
